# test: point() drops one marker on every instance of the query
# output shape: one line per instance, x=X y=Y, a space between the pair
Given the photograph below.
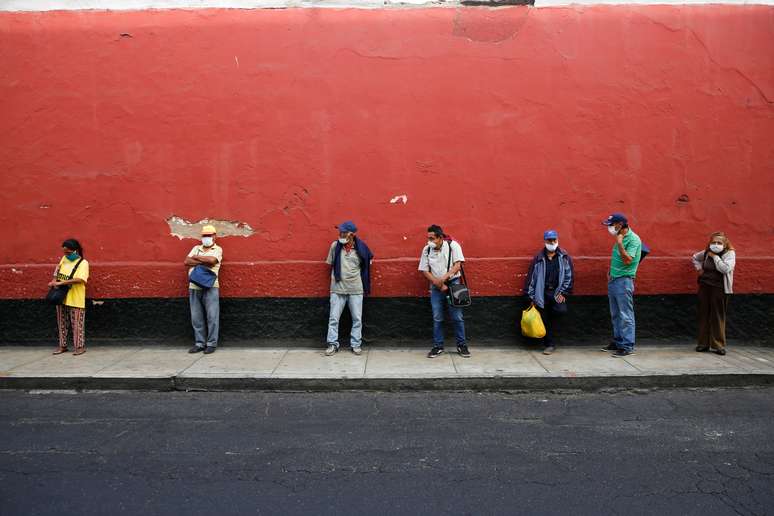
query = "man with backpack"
x=626 y=256
x=441 y=262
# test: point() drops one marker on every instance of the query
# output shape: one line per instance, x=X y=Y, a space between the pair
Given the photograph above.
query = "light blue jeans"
x=205 y=315
x=338 y=302
x=620 y=294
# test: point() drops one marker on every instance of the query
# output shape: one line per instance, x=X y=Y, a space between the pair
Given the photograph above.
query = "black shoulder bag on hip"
x=459 y=293
x=57 y=295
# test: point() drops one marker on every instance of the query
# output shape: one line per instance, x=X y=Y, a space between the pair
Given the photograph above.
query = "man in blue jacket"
x=549 y=282
x=350 y=261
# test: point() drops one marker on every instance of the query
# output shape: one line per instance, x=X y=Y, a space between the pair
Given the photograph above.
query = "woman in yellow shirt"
x=71 y=315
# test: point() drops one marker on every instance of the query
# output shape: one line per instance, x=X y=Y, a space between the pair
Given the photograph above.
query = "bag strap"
x=462 y=267
x=72 y=273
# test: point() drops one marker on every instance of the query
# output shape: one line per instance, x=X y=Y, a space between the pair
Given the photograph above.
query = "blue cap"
x=550 y=234
x=348 y=226
x=615 y=218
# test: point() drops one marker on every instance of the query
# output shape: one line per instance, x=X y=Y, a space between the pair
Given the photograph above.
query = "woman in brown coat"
x=715 y=265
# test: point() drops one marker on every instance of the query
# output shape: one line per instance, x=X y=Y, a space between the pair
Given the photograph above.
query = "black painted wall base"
x=751 y=317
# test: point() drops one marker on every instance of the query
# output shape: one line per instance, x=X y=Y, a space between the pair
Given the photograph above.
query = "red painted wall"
x=496 y=124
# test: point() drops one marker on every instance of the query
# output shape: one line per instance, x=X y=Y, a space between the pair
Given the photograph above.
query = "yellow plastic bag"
x=532 y=324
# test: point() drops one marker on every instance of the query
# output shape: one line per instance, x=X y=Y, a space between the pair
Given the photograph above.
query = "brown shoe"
x=59 y=351
x=79 y=352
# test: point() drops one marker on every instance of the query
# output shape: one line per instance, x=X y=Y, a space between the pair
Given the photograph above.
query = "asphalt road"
x=663 y=452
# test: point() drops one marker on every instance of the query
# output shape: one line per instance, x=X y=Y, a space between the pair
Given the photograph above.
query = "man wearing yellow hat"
x=205 y=301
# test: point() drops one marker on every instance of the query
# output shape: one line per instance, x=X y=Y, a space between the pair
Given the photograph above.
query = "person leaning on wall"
x=71 y=314
x=350 y=260
x=440 y=263
x=549 y=282
x=205 y=300
x=715 y=265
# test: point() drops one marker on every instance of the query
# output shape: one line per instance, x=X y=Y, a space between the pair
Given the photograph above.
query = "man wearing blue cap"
x=549 y=282
x=350 y=261
x=627 y=252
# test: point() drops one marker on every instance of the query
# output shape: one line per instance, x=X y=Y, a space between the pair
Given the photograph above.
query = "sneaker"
x=623 y=353
x=548 y=350
x=463 y=351
x=357 y=351
x=435 y=352
x=331 y=350
x=209 y=350
x=195 y=349
x=610 y=347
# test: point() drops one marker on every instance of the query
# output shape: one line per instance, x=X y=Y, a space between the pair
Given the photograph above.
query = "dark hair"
x=73 y=244
x=436 y=229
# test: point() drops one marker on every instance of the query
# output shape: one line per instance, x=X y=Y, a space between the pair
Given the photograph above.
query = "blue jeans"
x=205 y=315
x=338 y=302
x=620 y=293
x=439 y=301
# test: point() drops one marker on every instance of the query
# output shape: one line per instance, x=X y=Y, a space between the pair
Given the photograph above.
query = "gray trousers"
x=205 y=315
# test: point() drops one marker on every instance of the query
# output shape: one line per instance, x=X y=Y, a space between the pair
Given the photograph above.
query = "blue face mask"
x=72 y=256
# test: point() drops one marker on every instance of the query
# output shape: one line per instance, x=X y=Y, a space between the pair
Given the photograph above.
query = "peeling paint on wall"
x=181 y=228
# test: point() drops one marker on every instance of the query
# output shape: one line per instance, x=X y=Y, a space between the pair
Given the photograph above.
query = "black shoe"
x=195 y=349
x=209 y=350
x=610 y=347
x=623 y=353
x=700 y=349
x=463 y=351
x=721 y=352
x=435 y=352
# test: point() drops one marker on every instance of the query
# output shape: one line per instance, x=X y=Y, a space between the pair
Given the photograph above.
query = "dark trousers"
x=550 y=318
x=713 y=304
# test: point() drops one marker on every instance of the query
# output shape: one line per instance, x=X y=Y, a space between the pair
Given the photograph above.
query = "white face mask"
x=343 y=240
x=208 y=241
x=612 y=230
x=716 y=248
x=552 y=247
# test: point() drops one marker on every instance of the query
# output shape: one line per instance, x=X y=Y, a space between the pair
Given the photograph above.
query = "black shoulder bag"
x=459 y=293
x=57 y=295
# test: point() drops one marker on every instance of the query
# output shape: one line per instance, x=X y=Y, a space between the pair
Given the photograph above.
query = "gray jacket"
x=724 y=264
x=535 y=285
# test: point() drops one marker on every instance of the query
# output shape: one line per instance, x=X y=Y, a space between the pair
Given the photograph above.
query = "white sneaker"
x=357 y=351
x=330 y=350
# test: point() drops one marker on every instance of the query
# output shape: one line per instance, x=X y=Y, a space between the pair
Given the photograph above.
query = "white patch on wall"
x=182 y=228
x=399 y=198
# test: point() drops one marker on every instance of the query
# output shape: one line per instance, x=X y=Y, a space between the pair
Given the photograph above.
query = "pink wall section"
x=496 y=124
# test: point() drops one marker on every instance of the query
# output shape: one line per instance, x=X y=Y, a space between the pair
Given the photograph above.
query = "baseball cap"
x=347 y=226
x=615 y=218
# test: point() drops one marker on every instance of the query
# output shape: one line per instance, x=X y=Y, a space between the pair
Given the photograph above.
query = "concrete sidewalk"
x=291 y=368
